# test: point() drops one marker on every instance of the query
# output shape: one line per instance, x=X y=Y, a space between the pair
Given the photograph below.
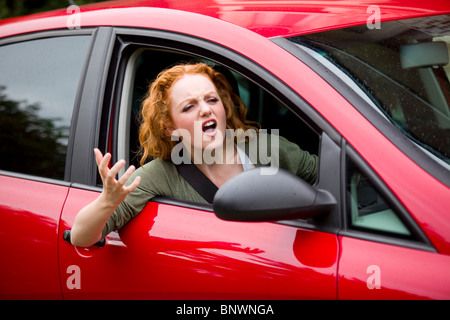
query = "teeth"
x=209 y=126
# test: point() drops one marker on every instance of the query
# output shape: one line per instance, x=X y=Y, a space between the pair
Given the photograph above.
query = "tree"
x=30 y=143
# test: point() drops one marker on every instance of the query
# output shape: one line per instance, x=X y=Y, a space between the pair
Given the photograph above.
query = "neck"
x=225 y=165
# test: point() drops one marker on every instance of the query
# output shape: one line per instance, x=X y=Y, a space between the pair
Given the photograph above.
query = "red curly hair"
x=156 y=117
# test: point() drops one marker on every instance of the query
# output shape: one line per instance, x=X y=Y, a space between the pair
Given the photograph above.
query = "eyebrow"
x=192 y=98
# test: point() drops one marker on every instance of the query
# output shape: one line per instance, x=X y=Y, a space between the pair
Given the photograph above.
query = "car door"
x=393 y=241
x=179 y=250
x=385 y=254
x=37 y=96
x=172 y=251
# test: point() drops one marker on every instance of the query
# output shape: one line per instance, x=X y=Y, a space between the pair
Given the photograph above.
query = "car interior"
x=144 y=66
x=405 y=72
x=367 y=208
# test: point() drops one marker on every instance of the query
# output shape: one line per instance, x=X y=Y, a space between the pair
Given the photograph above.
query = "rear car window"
x=38 y=85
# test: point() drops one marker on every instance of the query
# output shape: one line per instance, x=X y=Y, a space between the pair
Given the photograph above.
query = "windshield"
x=403 y=67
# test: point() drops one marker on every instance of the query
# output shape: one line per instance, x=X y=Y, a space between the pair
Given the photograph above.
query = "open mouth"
x=209 y=126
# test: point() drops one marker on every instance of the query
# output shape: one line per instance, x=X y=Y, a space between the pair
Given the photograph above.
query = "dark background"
x=14 y=8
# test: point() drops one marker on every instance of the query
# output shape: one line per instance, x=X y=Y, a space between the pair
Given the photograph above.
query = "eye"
x=212 y=100
x=187 y=108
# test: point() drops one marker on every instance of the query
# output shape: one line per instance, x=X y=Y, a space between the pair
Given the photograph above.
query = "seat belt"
x=197 y=179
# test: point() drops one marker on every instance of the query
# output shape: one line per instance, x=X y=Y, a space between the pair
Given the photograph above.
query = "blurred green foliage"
x=15 y=8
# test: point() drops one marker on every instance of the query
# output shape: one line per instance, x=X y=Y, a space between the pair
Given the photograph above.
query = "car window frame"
x=364 y=105
x=88 y=127
x=129 y=40
x=418 y=240
x=356 y=97
x=54 y=34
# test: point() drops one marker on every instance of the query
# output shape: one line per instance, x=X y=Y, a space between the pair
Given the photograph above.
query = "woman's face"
x=197 y=110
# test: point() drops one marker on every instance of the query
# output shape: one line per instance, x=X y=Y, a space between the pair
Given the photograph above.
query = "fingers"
x=108 y=175
x=98 y=156
x=125 y=178
x=112 y=173
x=134 y=185
x=102 y=163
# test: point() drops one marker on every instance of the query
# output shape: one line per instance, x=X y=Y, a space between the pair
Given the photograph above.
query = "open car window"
x=145 y=64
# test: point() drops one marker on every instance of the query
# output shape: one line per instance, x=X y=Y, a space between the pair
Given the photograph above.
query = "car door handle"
x=66 y=237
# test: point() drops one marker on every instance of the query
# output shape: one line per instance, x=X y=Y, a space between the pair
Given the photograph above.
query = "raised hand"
x=114 y=191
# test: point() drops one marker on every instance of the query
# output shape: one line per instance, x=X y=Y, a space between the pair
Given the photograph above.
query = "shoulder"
x=161 y=178
x=157 y=163
x=265 y=147
x=156 y=167
x=155 y=174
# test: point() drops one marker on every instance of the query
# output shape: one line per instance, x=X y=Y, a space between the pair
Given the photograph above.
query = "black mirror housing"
x=269 y=195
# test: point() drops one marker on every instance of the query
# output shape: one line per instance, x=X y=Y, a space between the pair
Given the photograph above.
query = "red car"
x=363 y=85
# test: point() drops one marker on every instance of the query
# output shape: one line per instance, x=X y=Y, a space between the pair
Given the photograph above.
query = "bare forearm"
x=90 y=221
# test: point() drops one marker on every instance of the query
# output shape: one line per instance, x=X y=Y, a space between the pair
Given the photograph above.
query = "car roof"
x=267 y=18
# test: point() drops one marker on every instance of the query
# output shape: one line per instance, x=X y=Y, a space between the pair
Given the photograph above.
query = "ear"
x=170 y=131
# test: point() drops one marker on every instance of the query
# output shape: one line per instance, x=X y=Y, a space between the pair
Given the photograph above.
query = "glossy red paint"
x=267 y=18
x=403 y=176
x=369 y=270
x=29 y=238
x=191 y=254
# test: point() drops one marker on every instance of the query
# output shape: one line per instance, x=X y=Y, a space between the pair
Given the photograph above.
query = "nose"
x=205 y=109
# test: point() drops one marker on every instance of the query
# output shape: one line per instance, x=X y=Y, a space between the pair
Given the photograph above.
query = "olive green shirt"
x=161 y=178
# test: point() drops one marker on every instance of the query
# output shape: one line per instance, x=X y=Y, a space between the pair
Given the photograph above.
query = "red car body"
x=174 y=252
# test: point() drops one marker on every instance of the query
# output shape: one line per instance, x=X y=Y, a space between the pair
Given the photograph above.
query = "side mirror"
x=255 y=195
x=422 y=55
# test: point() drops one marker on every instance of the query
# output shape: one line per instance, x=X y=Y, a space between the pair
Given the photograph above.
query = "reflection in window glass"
x=368 y=210
x=404 y=68
x=38 y=84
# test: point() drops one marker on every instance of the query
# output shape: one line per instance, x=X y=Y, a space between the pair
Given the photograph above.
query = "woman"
x=189 y=108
